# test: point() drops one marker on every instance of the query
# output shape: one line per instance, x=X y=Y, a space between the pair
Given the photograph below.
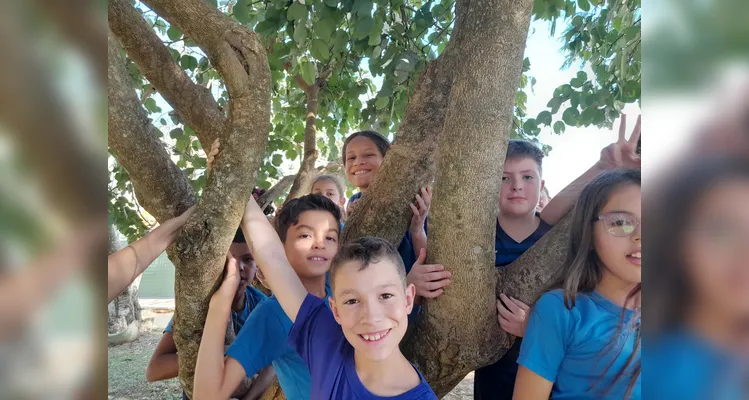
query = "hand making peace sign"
x=622 y=154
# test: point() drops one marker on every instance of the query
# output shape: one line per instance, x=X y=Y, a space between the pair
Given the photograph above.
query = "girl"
x=582 y=339
x=697 y=327
x=330 y=187
x=363 y=153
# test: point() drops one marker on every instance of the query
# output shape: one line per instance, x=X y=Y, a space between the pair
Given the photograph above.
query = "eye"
x=305 y=235
x=351 y=158
x=386 y=296
x=331 y=238
x=504 y=178
x=527 y=177
x=350 y=302
x=247 y=260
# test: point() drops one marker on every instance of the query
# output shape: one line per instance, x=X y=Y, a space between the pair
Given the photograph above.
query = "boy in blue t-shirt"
x=308 y=229
x=351 y=348
x=164 y=363
x=520 y=226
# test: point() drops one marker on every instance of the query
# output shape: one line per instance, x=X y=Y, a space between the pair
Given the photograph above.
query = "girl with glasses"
x=582 y=338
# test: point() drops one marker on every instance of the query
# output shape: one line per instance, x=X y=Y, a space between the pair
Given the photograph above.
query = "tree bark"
x=194 y=103
x=459 y=332
x=303 y=180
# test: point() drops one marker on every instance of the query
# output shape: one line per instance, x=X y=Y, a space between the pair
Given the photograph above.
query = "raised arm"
x=216 y=376
x=125 y=265
x=270 y=258
x=164 y=362
x=621 y=154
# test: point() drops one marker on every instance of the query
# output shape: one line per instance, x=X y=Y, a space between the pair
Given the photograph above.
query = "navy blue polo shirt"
x=497 y=381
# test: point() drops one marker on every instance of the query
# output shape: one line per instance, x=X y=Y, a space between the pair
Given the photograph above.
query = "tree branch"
x=307 y=167
x=159 y=185
x=194 y=103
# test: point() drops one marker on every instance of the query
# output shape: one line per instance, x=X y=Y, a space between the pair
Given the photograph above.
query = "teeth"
x=360 y=172
x=374 y=338
x=636 y=255
x=317 y=259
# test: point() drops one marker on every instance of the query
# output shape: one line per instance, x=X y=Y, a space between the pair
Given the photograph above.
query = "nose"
x=319 y=242
x=637 y=234
x=372 y=313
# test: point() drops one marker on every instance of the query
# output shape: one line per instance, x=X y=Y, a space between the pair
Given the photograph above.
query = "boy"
x=519 y=227
x=164 y=363
x=351 y=347
x=308 y=229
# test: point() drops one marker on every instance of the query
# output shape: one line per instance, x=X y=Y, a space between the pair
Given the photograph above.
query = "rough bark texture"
x=408 y=165
x=303 y=180
x=194 y=103
x=459 y=332
x=276 y=190
x=161 y=188
x=199 y=253
x=274 y=392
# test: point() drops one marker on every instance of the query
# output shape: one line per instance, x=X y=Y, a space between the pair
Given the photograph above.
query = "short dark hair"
x=525 y=149
x=293 y=209
x=383 y=145
x=367 y=250
x=333 y=179
x=239 y=236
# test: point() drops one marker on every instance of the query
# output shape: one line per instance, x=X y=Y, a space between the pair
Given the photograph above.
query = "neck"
x=616 y=290
x=363 y=189
x=315 y=286
x=378 y=374
x=508 y=220
x=716 y=326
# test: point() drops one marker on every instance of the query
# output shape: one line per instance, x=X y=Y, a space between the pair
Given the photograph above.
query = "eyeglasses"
x=619 y=224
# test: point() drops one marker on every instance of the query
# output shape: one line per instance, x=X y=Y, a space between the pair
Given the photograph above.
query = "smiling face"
x=620 y=255
x=717 y=250
x=372 y=307
x=521 y=187
x=312 y=243
x=329 y=189
x=362 y=160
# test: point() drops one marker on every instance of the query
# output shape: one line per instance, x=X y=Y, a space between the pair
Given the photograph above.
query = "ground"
x=127 y=367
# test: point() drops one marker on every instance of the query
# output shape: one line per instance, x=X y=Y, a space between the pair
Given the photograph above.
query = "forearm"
x=164 y=366
x=419 y=241
x=563 y=202
x=209 y=368
x=261 y=383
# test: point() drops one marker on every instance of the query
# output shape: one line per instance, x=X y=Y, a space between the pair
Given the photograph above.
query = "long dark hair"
x=582 y=270
x=383 y=145
x=675 y=202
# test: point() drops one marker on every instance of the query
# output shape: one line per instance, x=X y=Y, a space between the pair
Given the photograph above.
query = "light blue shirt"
x=575 y=348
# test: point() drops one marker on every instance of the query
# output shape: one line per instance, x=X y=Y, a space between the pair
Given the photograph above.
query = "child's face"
x=521 y=187
x=311 y=244
x=717 y=250
x=247 y=266
x=330 y=190
x=371 y=304
x=621 y=254
x=362 y=159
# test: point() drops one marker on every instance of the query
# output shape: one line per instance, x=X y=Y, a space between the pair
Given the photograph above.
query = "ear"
x=334 y=308
x=410 y=297
x=342 y=201
x=543 y=184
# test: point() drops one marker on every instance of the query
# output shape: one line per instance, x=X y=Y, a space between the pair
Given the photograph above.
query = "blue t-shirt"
x=263 y=341
x=507 y=250
x=575 y=348
x=406 y=246
x=253 y=297
x=691 y=368
x=319 y=340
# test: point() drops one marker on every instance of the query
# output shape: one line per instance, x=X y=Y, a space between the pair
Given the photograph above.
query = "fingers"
x=623 y=128
x=422 y=205
x=432 y=294
x=504 y=312
x=437 y=276
x=510 y=304
x=520 y=304
x=636 y=132
x=431 y=286
x=423 y=257
x=414 y=210
x=426 y=268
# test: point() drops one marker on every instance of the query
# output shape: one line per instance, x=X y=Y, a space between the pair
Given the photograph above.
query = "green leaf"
x=188 y=62
x=570 y=116
x=544 y=117
x=176 y=133
x=308 y=72
x=151 y=106
x=242 y=11
x=586 y=118
x=554 y=104
x=163 y=121
x=381 y=102
x=530 y=126
x=324 y=29
x=277 y=160
x=582 y=76
x=331 y=3
x=631 y=32
x=584 y=5
x=362 y=7
x=173 y=33
x=300 y=34
x=559 y=127
x=175 y=54
x=362 y=27
x=577 y=21
x=291 y=154
x=341 y=40
x=319 y=50
x=297 y=12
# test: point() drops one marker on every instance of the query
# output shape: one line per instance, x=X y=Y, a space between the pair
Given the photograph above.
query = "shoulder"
x=270 y=313
x=355 y=196
x=255 y=294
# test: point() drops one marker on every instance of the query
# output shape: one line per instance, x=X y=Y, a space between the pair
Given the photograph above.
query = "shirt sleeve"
x=546 y=337
x=315 y=332
x=169 y=327
x=261 y=340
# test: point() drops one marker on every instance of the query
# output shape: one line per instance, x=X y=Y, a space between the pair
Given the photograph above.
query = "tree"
x=280 y=80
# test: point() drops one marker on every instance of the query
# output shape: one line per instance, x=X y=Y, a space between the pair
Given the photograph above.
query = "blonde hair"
x=331 y=178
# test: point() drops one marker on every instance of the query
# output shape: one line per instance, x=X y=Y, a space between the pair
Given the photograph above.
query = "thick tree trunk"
x=459 y=331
